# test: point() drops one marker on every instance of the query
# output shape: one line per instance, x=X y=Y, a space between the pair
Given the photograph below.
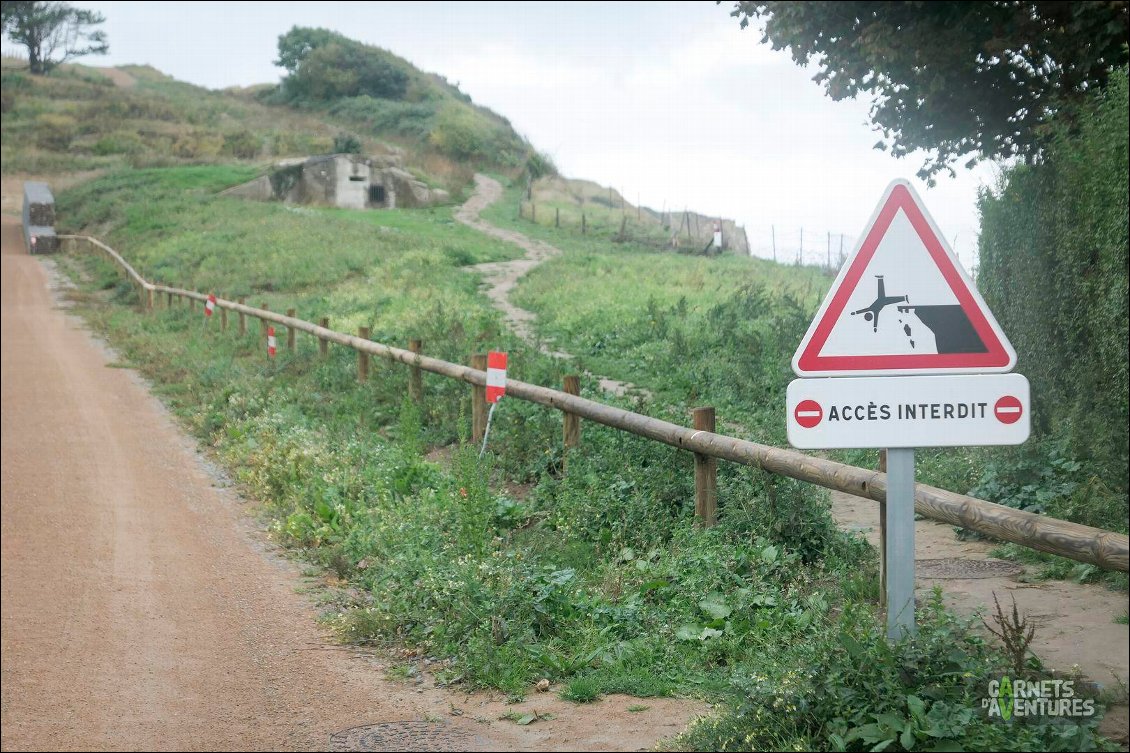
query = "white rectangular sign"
x=908 y=411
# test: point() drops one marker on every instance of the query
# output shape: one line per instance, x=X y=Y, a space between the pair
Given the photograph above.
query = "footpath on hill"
x=501 y=277
x=144 y=609
x=1075 y=622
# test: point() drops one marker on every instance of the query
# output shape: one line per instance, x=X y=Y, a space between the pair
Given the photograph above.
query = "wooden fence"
x=1106 y=549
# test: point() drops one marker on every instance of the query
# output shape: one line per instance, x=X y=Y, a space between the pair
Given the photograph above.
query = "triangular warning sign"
x=902 y=304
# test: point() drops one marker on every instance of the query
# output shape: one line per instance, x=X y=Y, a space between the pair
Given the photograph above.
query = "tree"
x=324 y=65
x=955 y=78
x=53 y=32
x=299 y=42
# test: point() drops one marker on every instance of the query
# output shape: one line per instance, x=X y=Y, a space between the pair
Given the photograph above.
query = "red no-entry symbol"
x=808 y=413
x=1008 y=410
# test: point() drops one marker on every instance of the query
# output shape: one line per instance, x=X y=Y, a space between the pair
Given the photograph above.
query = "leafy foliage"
x=389 y=97
x=1054 y=245
x=347 y=143
x=850 y=690
x=323 y=66
x=956 y=78
x=53 y=32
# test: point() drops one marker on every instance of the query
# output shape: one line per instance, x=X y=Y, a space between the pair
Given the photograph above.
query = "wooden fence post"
x=290 y=332
x=149 y=299
x=583 y=224
x=192 y=304
x=263 y=322
x=223 y=319
x=557 y=217
x=362 y=356
x=705 y=475
x=242 y=317
x=168 y=300
x=571 y=425
x=478 y=400
x=882 y=538
x=323 y=343
x=416 y=375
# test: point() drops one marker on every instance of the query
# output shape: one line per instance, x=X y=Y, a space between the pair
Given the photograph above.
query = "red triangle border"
x=997 y=356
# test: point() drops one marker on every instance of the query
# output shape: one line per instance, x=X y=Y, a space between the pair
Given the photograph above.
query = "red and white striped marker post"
x=271 y=345
x=209 y=305
x=496 y=376
x=496 y=388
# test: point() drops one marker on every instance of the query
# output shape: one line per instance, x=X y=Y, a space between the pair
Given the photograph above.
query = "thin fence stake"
x=242 y=317
x=290 y=333
x=323 y=343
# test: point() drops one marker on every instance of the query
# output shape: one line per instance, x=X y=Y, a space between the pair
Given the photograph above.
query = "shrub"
x=337 y=67
x=241 y=145
x=383 y=116
x=1054 y=254
x=346 y=143
x=198 y=145
x=54 y=131
x=118 y=142
x=539 y=165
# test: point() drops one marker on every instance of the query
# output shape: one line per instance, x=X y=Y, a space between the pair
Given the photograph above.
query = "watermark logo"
x=1009 y=698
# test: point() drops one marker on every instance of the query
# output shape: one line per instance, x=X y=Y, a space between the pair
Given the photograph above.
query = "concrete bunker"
x=349 y=181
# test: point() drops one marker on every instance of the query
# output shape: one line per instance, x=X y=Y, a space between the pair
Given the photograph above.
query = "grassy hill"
x=78 y=118
x=82 y=118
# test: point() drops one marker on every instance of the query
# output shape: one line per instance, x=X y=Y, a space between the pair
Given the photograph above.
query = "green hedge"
x=1054 y=271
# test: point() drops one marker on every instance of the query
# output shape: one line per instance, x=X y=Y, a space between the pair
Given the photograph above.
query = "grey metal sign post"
x=900 y=543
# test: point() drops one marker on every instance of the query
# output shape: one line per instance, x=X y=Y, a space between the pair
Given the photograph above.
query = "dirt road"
x=142 y=610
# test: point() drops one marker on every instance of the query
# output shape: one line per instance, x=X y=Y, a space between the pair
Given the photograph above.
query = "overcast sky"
x=672 y=103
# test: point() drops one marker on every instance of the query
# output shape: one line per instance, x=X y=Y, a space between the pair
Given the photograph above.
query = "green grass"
x=581 y=690
x=238 y=247
x=596 y=579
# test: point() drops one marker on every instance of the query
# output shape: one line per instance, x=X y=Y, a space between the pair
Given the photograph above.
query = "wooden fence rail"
x=1106 y=549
